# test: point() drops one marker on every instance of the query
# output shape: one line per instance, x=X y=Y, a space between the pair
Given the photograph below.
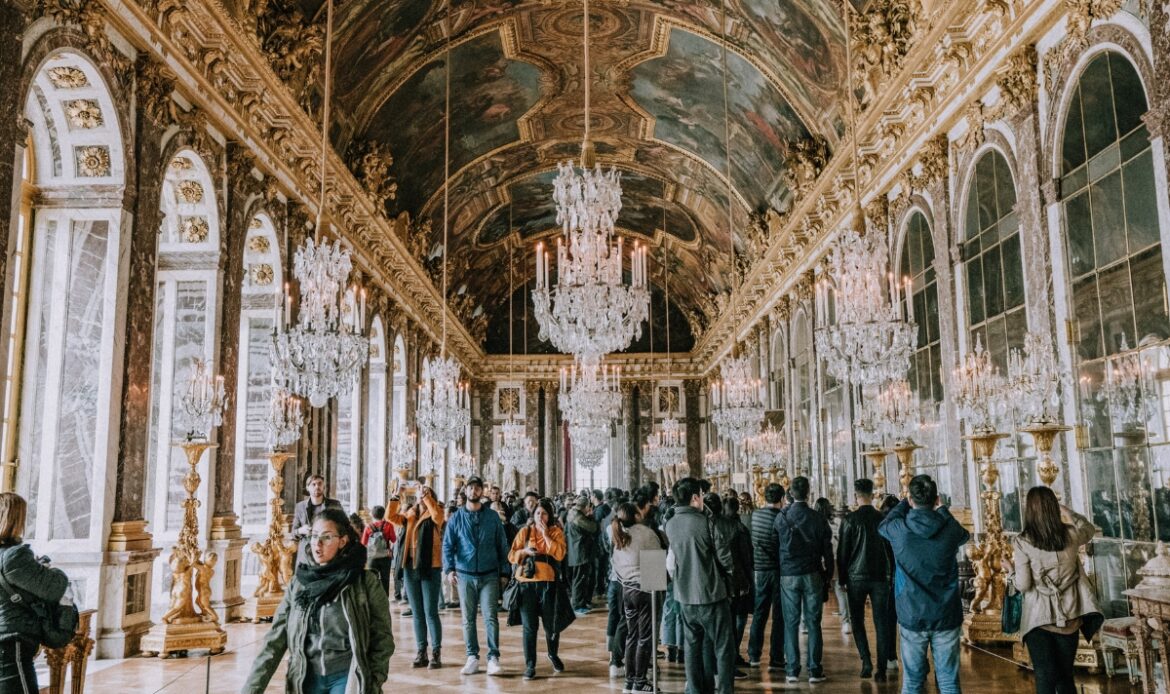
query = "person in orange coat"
x=537 y=550
x=422 y=568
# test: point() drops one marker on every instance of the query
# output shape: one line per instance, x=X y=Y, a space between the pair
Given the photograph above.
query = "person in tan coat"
x=422 y=562
x=535 y=554
x=1058 y=598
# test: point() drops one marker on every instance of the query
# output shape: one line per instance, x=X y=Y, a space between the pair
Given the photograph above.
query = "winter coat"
x=693 y=544
x=33 y=579
x=862 y=554
x=581 y=531
x=1056 y=589
x=926 y=582
x=805 y=541
x=423 y=533
x=371 y=639
x=475 y=544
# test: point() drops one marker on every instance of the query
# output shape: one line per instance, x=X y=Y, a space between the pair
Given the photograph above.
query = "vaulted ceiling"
x=517 y=110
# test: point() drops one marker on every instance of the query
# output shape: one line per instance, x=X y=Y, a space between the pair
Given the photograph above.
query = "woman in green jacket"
x=334 y=621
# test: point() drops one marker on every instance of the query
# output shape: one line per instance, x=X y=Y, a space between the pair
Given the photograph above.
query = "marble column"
x=694 y=423
x=633 y=426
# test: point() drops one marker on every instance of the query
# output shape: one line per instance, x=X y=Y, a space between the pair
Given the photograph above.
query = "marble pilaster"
x=694 y=423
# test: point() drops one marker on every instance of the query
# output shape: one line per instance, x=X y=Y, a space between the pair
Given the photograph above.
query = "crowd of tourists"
x=543 y=562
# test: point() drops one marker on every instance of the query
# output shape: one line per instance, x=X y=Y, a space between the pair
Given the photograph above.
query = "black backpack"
x=58 y=622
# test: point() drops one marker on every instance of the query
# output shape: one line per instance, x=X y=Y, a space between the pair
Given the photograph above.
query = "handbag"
x=1013 y=609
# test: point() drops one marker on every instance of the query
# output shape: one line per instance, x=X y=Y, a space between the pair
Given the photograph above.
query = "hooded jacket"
x=926 y=582
x=27 y=575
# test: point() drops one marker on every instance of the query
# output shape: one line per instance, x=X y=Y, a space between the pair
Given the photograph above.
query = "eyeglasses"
x=323 y=538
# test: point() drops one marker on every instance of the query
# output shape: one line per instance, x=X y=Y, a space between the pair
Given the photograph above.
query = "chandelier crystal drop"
x=874 y=334
x=283 y=424
x=403 y=451
x=767 y=449
x=737 y=400
x=443 y=411
x=590 y=398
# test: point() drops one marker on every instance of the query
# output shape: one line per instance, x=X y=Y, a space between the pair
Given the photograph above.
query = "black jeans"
x=639 y=633
x=535 y=609
x=1052 y=658
x=767 y=602
x=878 y=593
x=582 y=586
x=382 y=567
x=17 y=674
x=710 y=652
x=615 y=626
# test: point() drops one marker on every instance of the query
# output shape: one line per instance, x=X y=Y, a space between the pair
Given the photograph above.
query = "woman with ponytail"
x=334 y=621
x=629 y=537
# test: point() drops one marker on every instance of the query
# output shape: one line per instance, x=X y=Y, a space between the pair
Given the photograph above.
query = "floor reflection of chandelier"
x=443 y=411
x=590 y=397
x=873 y=335
x=592 y=311
x=737 y=401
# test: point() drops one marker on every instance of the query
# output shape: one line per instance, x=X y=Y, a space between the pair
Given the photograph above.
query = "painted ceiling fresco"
x=657 y=115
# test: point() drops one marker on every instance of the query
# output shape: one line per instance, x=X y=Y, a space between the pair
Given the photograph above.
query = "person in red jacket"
x=378 y=537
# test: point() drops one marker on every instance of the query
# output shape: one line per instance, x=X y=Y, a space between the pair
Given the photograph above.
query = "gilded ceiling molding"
x=1079 y=19
x=881 y=40
x=370 y=162
x=1018 y=83
x=89 y=16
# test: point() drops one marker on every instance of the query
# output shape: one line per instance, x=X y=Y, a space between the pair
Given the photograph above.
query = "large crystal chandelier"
x=767 y=449
x=592 y=311
x=716 y=463
x=443 y=408
x=665 y=447
x=590 y=398
x=980 y=391
x=321 y=355
x=513 y=447
x=403 y=451
x=283 y=423
x=1034 y=380
x=737 y=401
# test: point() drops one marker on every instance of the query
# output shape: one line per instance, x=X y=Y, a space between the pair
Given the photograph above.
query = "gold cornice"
x=222 y=70
x=546 y=367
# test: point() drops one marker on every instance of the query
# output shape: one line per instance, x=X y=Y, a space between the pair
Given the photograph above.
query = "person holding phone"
x=536 y=552
x=422 y=561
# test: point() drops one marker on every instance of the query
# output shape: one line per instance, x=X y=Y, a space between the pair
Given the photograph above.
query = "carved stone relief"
x=92 y=161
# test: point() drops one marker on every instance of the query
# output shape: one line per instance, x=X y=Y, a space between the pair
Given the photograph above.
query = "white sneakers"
x=846 y=628
x=471 y=667
x=616 y=671
x=493 y=666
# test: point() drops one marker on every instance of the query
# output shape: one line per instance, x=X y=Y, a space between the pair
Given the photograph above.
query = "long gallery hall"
x=349 y=346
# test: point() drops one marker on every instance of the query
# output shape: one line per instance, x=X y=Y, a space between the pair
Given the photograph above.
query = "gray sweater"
x=624 y=562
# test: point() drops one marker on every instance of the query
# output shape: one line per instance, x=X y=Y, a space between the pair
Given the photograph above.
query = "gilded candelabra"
x=1043 y=437
x=275 y=553
x=983 y=624
x=904 y=452
x=877 y=459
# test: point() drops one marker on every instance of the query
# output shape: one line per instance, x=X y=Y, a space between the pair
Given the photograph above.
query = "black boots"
x=436 y=661
x=420 y=660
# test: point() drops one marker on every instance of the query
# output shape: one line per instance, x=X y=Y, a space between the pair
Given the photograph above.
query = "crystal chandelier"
x=873 y=336
x=737 y=400
x=592 y=311
x=512 y=445
x=716 y=463
x=980 y=390
x=590 y=397
x=403 y=451
x=443 y=409
x=430 y=457
x=898 y=411
x=1034 y=379
x=321 y=355
x=665 y=447
x=766 y=450
x=203 y=402
x=1128 y=389
x=464 y=465
x=285 y=419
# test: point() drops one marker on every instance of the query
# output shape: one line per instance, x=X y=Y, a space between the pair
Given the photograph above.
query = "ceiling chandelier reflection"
x=767 y=449
x=282 y=426
x=590 y=397
x=443 y=408
x=737 y=400
x=321 y=356
x=592 y=311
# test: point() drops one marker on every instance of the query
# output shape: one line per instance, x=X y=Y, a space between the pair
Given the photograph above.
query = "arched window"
x=187 y=294
x=61 y=409
x=261 y=296
x=1118 y=298
x=375 y=462
x=991 y=252
x=917 y=264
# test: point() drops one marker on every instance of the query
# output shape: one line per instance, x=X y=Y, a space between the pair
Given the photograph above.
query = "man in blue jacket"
x=475 y=558
x=805 y=541
x=926 y=540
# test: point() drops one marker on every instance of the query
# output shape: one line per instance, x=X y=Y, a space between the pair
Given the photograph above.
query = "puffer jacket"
x=34 y=579
x=367 y=612
x=1056 y=590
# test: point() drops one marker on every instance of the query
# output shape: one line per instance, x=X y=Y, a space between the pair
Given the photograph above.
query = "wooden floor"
x=582 y=649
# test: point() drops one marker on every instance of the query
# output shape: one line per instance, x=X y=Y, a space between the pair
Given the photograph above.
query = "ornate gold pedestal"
x=276 y=555
x=190 y=623
x=983 y=624
x=877 y=460
x=72 y=656
x=1044 y=436
x=904 y=451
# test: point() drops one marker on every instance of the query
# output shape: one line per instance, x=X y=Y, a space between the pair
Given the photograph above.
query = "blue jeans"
x=768 y=601
x=671 y=628
x=480 y=594
x=802 y=595
x=944 y=650
x=326 y=684
x=615 y=627
x=424 y=590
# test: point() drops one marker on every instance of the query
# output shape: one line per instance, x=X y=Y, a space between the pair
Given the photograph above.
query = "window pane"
x=1141 y=208
x=1097 y=106
x=1079 y=223
x=1108 y=219
x=985 y=173
x=932 y=313
x=1005 y=195
x=975 y=310
x=1116 y=307
x=1074 y=136
x=993 y=282
x=1129 y=97
x=1149 y=295
x=1013 y=273
x=1088 y=318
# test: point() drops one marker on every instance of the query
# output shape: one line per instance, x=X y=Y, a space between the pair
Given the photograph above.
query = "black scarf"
x=321 y=584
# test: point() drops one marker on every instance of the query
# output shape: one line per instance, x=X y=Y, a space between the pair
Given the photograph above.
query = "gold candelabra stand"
x=1044 y=435
x=190 y=622
x=982 y=625
x=1133 y=438
x=277 y=556
x=904 y=452
x=877 y=460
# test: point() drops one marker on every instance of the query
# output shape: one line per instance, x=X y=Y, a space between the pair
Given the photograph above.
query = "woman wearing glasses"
x=334 y=621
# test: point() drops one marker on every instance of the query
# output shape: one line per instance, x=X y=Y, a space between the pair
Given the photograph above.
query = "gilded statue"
x=181 y=610
x=987 y=558
x=288 y=553
x=269 y=583
x=204 y=570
